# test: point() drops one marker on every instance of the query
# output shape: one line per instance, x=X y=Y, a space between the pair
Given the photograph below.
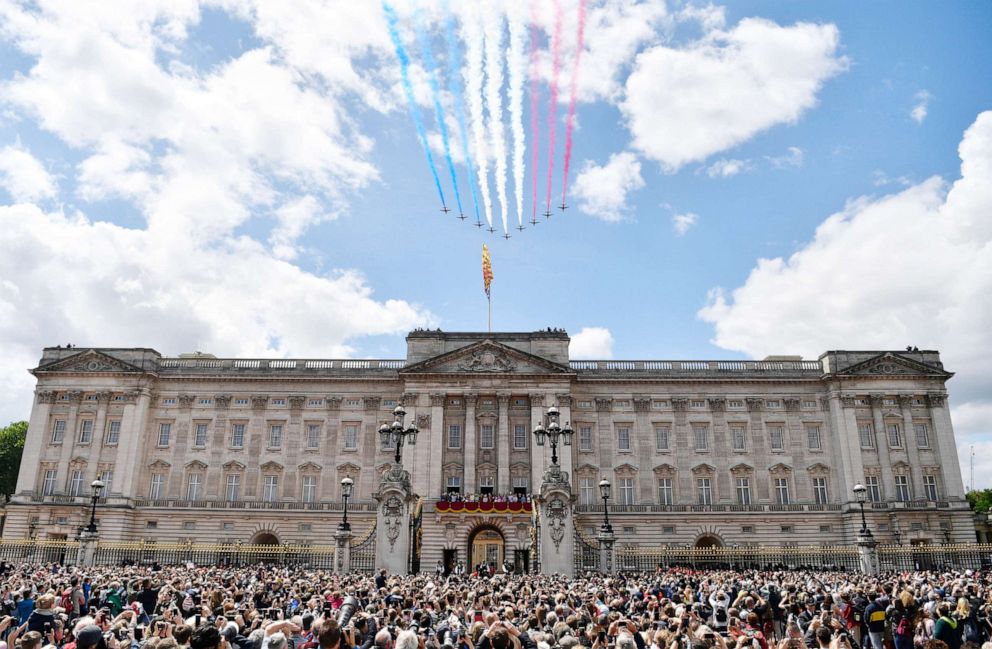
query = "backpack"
x=904 y=627
x=971 y=631
x=66 y=600
x=720 y=615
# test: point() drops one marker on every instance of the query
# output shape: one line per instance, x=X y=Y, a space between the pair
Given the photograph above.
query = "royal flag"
x=487 y=269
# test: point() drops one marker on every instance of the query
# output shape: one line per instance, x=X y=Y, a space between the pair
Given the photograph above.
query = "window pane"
x=701 y=434
x=238 y=435
x=922 y=435
x=200 y=439
x=585 y=438
x=486 y=436
x=739 y=435
x=813 y=437
x=665 y=494
x=275 y=436
x=776 y=435
x=866 y=434
x=623 y=438
x=519 y=436
x=164 y=433
x=661 y=437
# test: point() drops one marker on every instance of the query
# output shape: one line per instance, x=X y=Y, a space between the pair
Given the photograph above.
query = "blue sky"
x=244 y=178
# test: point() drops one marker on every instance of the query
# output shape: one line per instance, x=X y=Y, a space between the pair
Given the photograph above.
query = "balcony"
x=488 y=508
x=718 y=508
x=178 y=503
x=808 y=369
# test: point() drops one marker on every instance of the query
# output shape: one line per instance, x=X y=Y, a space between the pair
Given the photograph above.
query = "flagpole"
x=489 y=299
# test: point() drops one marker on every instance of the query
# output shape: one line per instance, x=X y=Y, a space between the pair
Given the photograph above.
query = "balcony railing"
x=675 y=368
x=280 y=365
x=179 y=503
x=722 y=507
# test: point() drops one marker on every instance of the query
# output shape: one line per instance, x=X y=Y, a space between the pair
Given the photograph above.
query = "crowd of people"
x=273 y=607
x=456 y=497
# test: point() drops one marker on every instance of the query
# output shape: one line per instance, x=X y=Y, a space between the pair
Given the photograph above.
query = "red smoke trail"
x=570 y=122
x=533 y=109
x=553 y=104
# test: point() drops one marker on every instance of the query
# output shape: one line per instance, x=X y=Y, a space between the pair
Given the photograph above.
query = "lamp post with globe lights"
x=396 y=435
x=95 y=487
x=346 y=485
x=552 y=431
x=605 y=536
x=867 y=546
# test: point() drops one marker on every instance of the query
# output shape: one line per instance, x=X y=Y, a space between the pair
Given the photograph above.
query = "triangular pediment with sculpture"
x=893 y=364
x=486 y=357
x=89 y=360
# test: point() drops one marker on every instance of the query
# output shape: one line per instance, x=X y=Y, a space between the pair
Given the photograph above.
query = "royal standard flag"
x=487 y=269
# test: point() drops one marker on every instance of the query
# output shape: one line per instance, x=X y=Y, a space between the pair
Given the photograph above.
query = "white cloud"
x=793 y=157
x=294 y=219
x=682 y=105
x=602 y=190
x=725 y=168
x=919 y=110
x=591 y=343
x=23 y=175
x=682 y=222
x=913 y=267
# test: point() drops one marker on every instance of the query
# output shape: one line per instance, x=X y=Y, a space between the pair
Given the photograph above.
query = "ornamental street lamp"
x=896 y=532
x=396 y=435
x=861 y=494
x=552 y=430
x=346 y=485
x=604 y=490
x=95 y=486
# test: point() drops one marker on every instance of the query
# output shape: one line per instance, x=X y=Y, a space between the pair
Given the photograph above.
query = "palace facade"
x=698 y=452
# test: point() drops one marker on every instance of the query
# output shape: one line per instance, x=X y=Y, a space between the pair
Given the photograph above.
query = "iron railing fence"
x=585 y=554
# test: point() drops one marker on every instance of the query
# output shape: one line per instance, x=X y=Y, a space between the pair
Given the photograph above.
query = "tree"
x=11 y=448
x=980 y=501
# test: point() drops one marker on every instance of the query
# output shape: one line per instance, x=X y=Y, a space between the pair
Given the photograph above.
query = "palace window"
x=309 y=488
x=275 y=435
x=739 y=436
x=701 y=435
x=113 y=435
x=76 y=483
x=454 y=483
x=200 y=435
x=587 y=491
x=206 y=402
x=313 y=436
x=454 y=436
x=58 y=431
x=519 y=436
x=315 y=403
x=744 y=491
x=626 y=491
x=164 y=433
x=585 y=404
x=874 y=489
x=813 y=438
x=735 y=404
x=697 y=403
x=351 y=403
x=621 y=403
x=623 y=438
x=155 y=487
x=233 y=491
x=169 y=402
x=241 y=402
x=895 y=435
x=782 y=491
x=194 y=486
x=809 y=404
x=661 y=440
x=351 y=437
x=388 y=403
x=48 y=486
x=704 y=491
x=930 y=487
x=585 y=438
x=866 y=433
x=107 y=478
x=776 y=437
x=85 y=431
x=922 y=435
x=278 y=402
x=237 y=435
x=270 y=488
x=888 y=401
x=902 y=488
x=773 y=403
x=486 y=436
x=666 y=494
x=820 y=495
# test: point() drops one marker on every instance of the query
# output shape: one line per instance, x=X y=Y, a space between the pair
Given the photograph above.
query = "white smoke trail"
x=492 y=22
x=516 y=62
x=473 y=36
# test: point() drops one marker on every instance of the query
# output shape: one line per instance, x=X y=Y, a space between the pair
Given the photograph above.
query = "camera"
x=347 y=610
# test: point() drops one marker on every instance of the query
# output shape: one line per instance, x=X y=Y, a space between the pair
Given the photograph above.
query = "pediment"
x=818 y=469
x=234 y=465
x=309 y=466
x=780 y=468
x=196 y=465
x=159 y=464
x=664 y=469
x=586 y=469
x=486 y=357
x=741 y=469
x=348 y=467
x=272 y=466
x=893 y=364
x=91 y=361
x=625 y=468
x=703 y=468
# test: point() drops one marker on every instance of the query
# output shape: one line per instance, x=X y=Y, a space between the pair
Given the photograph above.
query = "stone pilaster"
x=882 y=442
x=470 y=484
x=134 y=427
x=393 y=501
x=39 y=432
x=943 y=437
x=437 y=443
x=538 y=458
x=557 y=524
x=644 y=447
x=909 y=440
x=342 y=551
x=850 y=468
x=565 y=454
x=503 y=445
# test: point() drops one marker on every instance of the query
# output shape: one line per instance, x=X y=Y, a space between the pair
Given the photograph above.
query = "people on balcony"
x=455 y=497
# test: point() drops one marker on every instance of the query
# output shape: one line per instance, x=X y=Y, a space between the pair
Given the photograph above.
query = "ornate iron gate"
x=416 y=535
x=586 y=554
x=363 y=553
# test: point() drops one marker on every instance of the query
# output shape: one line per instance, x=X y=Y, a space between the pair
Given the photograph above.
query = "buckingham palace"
x=699 y=453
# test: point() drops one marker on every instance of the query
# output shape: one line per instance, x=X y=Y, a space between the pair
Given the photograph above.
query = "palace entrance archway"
x=486 y=545
x=708 y=541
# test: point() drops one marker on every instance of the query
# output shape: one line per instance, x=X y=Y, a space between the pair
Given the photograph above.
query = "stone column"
x=134 y=434
x=392 y=533
x=435 y=480
x=565 y=417
x=342 y=551
x=503 y=445
x=100 y=431
x=843 y=424
x=39 y=431
x=470 y=447
x=909 y=440
x=868 y=554
x=645 y=444
x=606 y=541
x=71 y=436
x=557 y=526
x=87 y=549
x=943 y=436
x=537 y=453
x=882 y=442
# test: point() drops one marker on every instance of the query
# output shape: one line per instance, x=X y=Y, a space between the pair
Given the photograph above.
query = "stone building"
x=698 y=452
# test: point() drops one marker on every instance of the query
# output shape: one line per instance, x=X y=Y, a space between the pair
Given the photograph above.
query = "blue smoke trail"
x=394 y=34
x=428 y=54
x=455 y=67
